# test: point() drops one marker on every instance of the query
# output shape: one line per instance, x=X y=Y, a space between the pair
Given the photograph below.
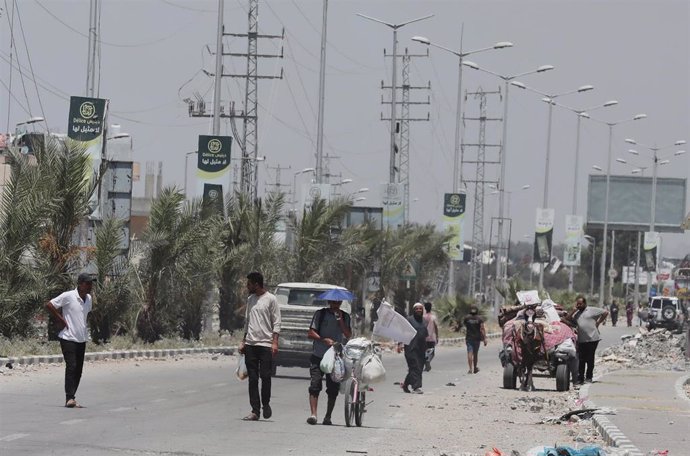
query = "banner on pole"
x=543 y=235
x=86 y=125
x=392 y=201
x=213 y=168
x=313 y=192
x=651 y=244
x=573 y=240
x=453 y=218
x=629 y=276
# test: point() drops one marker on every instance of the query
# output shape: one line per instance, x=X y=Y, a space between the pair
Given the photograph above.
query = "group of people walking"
x=329 y=325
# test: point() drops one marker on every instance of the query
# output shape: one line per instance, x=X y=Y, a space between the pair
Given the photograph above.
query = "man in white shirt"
x=71 y=310
x=260 y=343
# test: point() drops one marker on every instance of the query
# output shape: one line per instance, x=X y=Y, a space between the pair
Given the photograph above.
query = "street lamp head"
x=346 y=181
x=525 y=187
x=472 y=65
x=610 y=103
x=518 y=84
x=636 y=171
x=633 y=151
x=306 y=170
x=363 y=190
x=630 y=141
x=664 y=162
x=503 y=44
x=640 y=116
x=679 y=152
x=543 y=68
x=584 y=115
x=621 y=160
x=361 y=198
x=421 y=39
x=585 y=88
x=679 y=143
x=598 y=168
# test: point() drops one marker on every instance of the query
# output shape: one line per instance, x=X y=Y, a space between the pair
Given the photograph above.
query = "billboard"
x=453 y=217
x=213 y=168
x=392 y=201
x=573 y=240
x=543 y=235
x=86 y=125
x=630 y=203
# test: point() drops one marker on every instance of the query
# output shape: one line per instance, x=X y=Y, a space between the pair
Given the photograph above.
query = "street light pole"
x=501 y=184
x=394 y=82
x=602 y=283
x=655 y=163
x=294 y=186
x=593 y=240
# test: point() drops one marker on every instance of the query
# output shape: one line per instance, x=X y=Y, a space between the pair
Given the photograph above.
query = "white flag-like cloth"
x=393 y=325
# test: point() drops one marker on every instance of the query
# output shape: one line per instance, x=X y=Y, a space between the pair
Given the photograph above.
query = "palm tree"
x=248 y=243
x=177 y=270
x=44 y=202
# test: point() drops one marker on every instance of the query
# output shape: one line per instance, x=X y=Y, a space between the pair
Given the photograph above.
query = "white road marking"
x=74 y=421
x=160 y=399
x=9 y=438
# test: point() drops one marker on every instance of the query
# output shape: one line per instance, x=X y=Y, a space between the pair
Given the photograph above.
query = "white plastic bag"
x=241 y=371
x=338 y=372
x=372 y=369
x=328 y=361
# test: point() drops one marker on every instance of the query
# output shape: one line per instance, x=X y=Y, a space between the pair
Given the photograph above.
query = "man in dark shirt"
x=415 y=351
x=474 y=334
x=328 y=326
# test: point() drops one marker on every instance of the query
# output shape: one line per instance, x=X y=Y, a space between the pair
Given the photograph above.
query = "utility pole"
x=248 y=140
x=322 y=96
x=479 y=161
x=277 y=186
x=94 y=48
x=401 y=166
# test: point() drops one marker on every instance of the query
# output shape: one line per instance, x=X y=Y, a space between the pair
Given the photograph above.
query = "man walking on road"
x=588 y=320
x=260 y=343
x=475 y=333
x=328 y=326
x=74 y=307
x=414 y=351
x=431 y=340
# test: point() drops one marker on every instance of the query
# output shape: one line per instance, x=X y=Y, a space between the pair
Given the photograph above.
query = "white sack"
x=392 y=325
x=328 y=361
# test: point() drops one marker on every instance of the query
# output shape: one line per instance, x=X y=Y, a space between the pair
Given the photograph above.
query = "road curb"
x=118 y=354
x=457 y=340
x=612 y=435
x=680 y=391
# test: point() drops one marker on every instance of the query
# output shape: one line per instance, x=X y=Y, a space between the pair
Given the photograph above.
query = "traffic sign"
x=613 y=273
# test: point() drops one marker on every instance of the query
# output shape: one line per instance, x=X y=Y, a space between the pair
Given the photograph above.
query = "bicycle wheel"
x=350 y=401
x=359 y=408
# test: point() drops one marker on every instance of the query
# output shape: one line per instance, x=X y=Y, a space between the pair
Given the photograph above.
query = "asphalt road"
x=194 y=406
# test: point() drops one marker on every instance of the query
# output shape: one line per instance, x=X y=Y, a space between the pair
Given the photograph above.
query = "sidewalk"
x=652 y=411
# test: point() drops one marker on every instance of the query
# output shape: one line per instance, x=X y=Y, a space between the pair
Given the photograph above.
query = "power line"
x=122 y=45
x=13 y=45
x=31 y=67
x=15 y=99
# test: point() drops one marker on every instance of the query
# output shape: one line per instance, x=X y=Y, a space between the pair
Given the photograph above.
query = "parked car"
x=298 y=302
x=665 y=312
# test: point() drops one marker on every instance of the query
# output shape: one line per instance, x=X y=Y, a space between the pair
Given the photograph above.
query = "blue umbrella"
x=336 y=294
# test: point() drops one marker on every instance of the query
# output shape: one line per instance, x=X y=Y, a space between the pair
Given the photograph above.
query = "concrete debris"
x=655 y=349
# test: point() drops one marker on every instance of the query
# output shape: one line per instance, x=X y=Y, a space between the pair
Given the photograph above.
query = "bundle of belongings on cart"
x=359 y=357
x=553 y=328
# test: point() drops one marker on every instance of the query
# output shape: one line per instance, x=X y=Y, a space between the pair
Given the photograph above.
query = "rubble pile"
x=655 y=349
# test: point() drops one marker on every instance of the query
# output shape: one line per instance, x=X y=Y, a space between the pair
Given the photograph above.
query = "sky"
x=153 y=51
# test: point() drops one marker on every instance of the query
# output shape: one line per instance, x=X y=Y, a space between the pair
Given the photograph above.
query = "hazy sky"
x=153 y=51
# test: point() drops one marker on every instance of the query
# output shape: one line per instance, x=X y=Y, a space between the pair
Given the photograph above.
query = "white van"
x=298 y=302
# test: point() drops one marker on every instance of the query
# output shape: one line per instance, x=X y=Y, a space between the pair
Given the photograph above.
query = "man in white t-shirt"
x=71 y=309
x=260 y=344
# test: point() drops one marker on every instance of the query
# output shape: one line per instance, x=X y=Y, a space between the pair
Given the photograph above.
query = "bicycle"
x=355 y=388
